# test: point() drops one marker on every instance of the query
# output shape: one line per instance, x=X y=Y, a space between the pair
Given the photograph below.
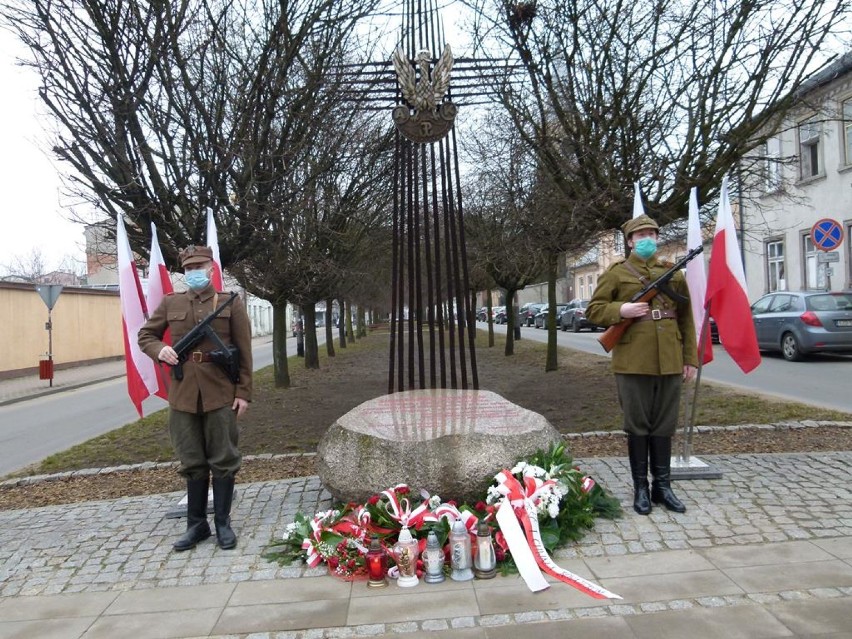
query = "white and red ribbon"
x=519 y=504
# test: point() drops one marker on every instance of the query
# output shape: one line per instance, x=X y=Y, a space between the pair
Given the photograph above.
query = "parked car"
x=482 y=313
x=540 y=319
x=800 y=323
x=528 y=312
x=574 y=317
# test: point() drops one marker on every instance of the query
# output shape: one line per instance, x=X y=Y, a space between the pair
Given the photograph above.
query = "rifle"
x=611 y=336
x=226 y=356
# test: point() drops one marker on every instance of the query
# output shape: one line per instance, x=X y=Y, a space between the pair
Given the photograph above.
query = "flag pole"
x=685 y=466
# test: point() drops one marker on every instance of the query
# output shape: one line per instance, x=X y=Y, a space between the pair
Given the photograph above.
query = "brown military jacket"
x=656 y=347
x=179 y=312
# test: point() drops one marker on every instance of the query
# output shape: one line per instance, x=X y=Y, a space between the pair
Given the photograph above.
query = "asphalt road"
x=822 y=380
x=34 y=429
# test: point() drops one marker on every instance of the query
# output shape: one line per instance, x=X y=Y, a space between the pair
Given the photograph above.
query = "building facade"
x=803 y=177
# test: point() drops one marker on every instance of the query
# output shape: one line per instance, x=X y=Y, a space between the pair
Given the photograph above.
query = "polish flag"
x=727 y=299
x=142 y=379
x=159 y=285
x=696 y=278
x=213 y=243
x=637 y=201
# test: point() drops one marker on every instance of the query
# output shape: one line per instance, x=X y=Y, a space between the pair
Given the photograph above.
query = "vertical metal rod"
x=439 y=285
x=418 y=278
x=449 y=267
x=394 y=268
x=459 y=296
x=470 y=320
x=431 y=298
x=409 y=191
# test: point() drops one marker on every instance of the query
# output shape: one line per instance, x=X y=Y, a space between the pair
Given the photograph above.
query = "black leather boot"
x=223 y=495
x=661 y=466
x=197 y=528
x=637 y=451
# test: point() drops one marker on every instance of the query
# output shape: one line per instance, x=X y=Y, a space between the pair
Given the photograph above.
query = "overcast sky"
x=31 y=215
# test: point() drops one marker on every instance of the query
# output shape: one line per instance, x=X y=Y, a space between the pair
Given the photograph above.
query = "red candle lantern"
x=377 y=564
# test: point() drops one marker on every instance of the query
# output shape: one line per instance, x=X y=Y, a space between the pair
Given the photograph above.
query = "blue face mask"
x=645 y=247
x=196 y=279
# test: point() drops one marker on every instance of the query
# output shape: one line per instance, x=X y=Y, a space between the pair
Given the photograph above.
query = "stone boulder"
x=448 y=442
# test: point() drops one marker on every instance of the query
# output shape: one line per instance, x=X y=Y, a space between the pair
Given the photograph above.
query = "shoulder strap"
x=644 y=280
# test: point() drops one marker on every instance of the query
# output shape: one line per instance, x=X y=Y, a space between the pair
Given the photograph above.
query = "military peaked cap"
x=193 y=255
x=638 y=223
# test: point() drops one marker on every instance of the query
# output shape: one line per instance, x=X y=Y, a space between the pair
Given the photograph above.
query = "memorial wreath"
x=546 y=497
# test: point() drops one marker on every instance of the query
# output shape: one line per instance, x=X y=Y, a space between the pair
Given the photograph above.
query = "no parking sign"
x=827 y=234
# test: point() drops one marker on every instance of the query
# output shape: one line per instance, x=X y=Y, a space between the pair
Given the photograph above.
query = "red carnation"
x=403 y=490
x=481 y=505
x=373 y=500
x=332 y=562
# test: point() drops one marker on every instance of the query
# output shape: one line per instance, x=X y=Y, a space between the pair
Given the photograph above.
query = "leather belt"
x=199 y=357
x=658 y=314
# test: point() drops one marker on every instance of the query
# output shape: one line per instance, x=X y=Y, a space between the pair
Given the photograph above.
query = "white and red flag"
x=213 y=243
x=142 y=378
x=159 y=285
x=696 y=278
x=727 y=299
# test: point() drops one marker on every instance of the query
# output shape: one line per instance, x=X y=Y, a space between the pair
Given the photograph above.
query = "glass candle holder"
x=433 y=560
x=405 y=554
x=377 y=564
x=485 y=561
x=460 y=552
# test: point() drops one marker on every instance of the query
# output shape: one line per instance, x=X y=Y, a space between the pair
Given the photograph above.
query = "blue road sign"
x=827 y=234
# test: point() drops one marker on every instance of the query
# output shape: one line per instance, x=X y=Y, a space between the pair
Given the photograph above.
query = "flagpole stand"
x=685 y=465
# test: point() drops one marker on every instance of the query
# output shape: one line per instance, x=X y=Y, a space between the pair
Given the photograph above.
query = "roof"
x=836 y=69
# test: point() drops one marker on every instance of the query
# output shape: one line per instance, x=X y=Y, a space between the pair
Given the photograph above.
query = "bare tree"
x=165 y=110
x=667 y=93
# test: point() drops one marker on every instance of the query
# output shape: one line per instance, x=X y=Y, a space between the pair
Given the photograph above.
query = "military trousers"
x=650 y=403
x=206 y=443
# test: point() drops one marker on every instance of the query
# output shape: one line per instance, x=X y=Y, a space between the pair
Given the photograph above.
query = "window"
x=619 y=242
x=772 y=164
x=775 y=266
x=814 y=275
x=582 y=287
x=847 y=131
x=809 y=149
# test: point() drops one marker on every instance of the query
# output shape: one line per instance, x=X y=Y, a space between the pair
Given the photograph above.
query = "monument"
x=434 y=430
x=449 y=442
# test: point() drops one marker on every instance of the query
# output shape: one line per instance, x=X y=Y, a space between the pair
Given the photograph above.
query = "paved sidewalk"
x=766 y=551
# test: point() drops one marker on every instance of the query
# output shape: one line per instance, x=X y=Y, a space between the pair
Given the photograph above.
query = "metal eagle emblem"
x=433 y=117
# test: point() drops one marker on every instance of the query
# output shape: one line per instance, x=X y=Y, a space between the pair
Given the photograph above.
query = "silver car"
x=799 y=323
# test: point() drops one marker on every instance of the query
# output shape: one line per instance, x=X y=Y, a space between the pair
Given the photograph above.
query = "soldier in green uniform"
x=205 y=404
x=652 y=359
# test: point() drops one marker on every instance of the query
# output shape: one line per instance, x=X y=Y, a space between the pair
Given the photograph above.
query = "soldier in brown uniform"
x=205 y=404
x=655 y=354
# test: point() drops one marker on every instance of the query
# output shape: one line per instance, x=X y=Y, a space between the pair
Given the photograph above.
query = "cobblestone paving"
x=126 y=543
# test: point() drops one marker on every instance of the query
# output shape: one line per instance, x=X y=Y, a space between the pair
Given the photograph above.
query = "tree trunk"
x=329 y=329
x=279 y=345
x=511 y=320
x=350 y=328
x=309 y=312
x=341 y=323
x=489 y=317
x=552 y=364
x=362 y=321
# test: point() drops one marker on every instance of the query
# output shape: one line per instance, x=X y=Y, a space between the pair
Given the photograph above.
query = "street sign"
x=832 y=256
x=827 y=234
x=49 y=293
